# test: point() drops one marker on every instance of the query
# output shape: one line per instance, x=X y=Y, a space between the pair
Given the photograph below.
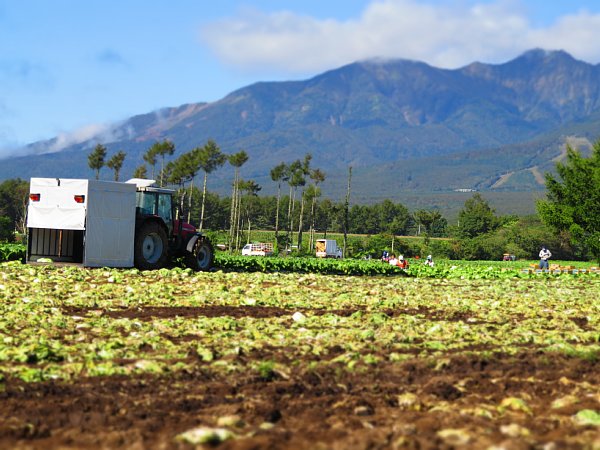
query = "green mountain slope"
x=404 y=126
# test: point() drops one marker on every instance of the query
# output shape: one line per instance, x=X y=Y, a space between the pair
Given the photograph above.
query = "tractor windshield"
x=165 y=210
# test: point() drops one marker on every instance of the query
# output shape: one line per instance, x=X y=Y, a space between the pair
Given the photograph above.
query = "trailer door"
x=55 y=206
x=110 y=228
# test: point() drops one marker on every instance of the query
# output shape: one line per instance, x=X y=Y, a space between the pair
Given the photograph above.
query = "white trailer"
x=86 y=222
x=328 y=248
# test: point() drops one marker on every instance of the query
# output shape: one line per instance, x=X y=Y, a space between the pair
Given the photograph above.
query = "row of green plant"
x=470 y=270
x=225 y=261
x=444 y=268
x=66 y=322
x=12 y=252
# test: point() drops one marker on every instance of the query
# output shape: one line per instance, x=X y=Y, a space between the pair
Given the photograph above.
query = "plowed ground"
x=455 y=405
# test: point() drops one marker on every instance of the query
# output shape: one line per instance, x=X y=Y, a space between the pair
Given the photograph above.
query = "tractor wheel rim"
x=202 y=257
x=152 y=248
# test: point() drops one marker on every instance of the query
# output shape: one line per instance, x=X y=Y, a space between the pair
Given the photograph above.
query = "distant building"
x=465 y=190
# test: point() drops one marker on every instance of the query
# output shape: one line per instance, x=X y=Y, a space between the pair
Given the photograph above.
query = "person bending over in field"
x=429 y=261
x=393 y=261
x=402 y=263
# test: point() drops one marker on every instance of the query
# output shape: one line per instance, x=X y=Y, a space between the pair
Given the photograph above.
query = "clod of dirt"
x=443 y=389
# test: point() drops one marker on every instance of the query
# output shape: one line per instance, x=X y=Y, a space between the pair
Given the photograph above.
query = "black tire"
x=150 y=247
x=202 y=256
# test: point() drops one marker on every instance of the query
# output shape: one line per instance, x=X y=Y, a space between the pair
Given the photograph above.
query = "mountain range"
x=421 y=135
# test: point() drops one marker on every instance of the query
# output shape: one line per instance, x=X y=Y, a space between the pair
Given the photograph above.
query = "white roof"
x=141 y=182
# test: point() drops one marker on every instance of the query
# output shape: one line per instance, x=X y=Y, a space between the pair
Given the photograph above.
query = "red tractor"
x=159 y=237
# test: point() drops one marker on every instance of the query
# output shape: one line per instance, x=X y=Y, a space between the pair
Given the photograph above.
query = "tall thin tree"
x=251 y=188
x=186 y=168
x=150 y=158
x=96 y=159
x=305 y=173
x=140 y=172
x=278 y=174
x=318 y=176
x=115 y=163
x=294 y=179
x=237 y=160
x=162 y=149
x=210 y=158
x=346 y=210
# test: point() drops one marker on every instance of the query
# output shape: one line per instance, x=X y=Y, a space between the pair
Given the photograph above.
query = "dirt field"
x=455 y=405
x=288 y=361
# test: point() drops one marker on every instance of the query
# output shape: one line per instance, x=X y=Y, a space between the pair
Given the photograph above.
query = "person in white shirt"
x=393 y=261
x=429 y=261
x=545 y=255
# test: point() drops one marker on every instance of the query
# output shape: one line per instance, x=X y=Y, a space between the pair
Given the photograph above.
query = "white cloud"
x=94 y=133
x=66 y=139
x=578 y=34
x=446 y=34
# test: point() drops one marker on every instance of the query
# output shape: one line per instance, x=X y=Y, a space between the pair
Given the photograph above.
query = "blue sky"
x=72 y=68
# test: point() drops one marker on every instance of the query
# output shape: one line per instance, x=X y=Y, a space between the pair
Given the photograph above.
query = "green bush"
x=7 y=232
x=12 y=252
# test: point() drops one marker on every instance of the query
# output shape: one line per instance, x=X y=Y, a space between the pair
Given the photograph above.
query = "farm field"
x=469 y=357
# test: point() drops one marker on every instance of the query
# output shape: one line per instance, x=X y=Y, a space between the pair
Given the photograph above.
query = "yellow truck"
x=328 y=248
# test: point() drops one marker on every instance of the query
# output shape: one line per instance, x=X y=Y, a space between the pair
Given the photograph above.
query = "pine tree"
x=278 y=174
x=96 y=159
x=116 y=162
x=161 y=149
x=237 y=160
x=209 y=159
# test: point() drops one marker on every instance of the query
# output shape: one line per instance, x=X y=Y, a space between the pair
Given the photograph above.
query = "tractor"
x=110 y=224
x=160 y=235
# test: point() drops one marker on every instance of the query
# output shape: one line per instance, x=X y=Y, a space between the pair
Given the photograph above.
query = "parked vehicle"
x=328 y=248
x=110 y=224
x=258 y=249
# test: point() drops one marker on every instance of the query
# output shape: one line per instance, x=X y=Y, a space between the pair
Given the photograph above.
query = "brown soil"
x=325 y=408
x=147 y=313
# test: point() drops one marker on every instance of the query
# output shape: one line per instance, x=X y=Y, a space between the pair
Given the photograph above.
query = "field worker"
x=429 y=261
x=402 y=263
x=393 y=261
x=545 y=255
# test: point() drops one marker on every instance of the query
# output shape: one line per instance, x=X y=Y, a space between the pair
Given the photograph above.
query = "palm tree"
x=116 y=162
x=209 y=158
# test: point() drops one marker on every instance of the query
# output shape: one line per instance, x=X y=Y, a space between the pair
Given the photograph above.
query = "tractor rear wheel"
x=202 y=256
x=150 y=247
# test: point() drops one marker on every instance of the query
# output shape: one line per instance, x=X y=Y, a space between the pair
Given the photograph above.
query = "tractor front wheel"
x=150 y=247
x=202 y=256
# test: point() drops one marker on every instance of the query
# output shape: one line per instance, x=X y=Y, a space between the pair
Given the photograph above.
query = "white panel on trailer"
x=110 y=228
x=56 y=208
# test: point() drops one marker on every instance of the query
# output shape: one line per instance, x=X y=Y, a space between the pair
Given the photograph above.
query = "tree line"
x=568 y=220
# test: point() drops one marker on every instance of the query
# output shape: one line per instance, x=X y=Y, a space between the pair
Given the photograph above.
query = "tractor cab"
x=156 y=202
